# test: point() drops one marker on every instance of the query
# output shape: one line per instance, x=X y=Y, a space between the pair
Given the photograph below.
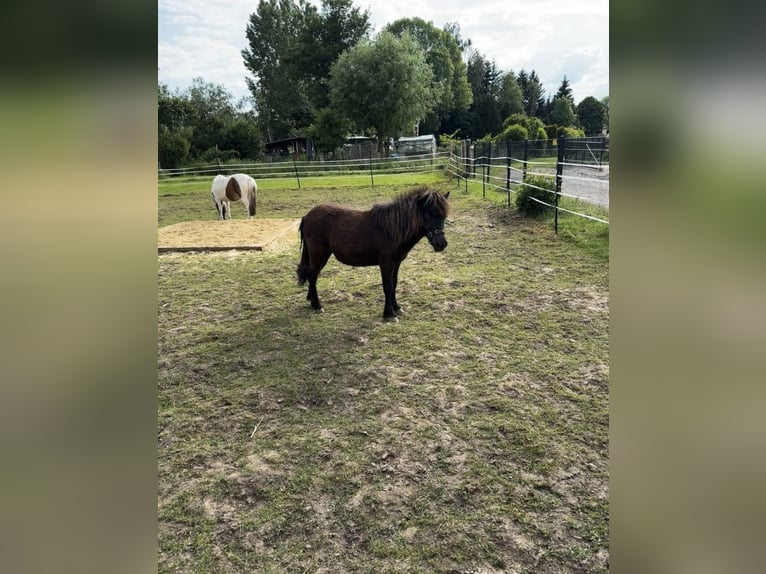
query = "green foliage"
x=385 y=84
x=531 y=91
x=562 y=112
x=510 y=101
x=591 y=115
x=199 y=119
x=514 y=132
x=243 y=137
x=534 y=126
x=565 y=91
x=173 y=147
x=450 y=86
x=570 y=132
x=329 y=131
x=552 y=131
x=524 y=199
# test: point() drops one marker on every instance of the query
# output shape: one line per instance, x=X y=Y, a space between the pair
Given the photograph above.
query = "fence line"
x=465 y=165
x=424 y=163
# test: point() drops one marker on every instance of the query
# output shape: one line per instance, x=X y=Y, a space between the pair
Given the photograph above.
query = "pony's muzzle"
x=437 y=240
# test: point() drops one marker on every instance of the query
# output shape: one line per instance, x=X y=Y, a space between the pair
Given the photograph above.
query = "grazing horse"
x=237 y=187
x=382 y=236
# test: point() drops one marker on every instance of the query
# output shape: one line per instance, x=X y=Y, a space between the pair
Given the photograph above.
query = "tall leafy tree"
x=510 y=96
x=384 y=85
x=324 y=36
x=485 y=80
x=329 y=130
x=590 y=113
x=562 y=113
x=211 y=111
x=280 y=93
x=449 y=84
x=605 y=103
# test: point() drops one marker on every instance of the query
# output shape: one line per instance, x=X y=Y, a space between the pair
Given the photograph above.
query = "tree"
x=383 y=84
x=485 y=80
x=565 y=91
x=324 y=36
x=173 y=146
x=562 y=113
x=329 y=130
x=605 y=103
x=510 y=96
x=280 y=94
x=211 y=110
x=531 y=91
x=442 y=51
x=243 y=136
x=590 y=113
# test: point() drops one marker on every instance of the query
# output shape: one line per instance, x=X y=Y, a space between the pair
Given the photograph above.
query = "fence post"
x=467 y=162
x=601 y=151
x=298 y=177
x=489 y=162
x=484 y=172
x=562 y=144
x=372 y=180
x=526 y=158
x=508 y=151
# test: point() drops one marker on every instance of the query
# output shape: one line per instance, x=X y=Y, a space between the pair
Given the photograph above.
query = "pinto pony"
x=382 y=236
x=237 y=187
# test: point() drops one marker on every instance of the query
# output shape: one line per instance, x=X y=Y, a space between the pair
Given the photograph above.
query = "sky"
x=556 y=38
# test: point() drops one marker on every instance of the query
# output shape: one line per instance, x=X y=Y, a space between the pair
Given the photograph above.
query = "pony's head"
x=434 y=210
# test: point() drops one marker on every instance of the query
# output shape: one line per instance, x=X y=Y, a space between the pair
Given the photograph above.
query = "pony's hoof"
x=320 y=310
x=399 y=312
x=392 y=319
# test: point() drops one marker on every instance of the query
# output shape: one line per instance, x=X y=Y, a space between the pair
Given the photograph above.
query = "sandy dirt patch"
x=238 y=234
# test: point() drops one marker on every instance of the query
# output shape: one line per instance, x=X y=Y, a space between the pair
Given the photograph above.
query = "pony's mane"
x=402 y=217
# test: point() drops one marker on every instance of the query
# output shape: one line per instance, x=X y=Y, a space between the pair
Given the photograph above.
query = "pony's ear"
x=446 y=195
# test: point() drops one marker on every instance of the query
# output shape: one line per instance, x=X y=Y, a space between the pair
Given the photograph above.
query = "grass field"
x=470 y=436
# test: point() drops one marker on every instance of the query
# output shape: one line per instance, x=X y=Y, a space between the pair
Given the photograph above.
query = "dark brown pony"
x=382 y=236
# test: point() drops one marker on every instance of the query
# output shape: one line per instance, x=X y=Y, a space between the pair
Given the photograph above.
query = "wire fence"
x=423 y=163
x=579 y=168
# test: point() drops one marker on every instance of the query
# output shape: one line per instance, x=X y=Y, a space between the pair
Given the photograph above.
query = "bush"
x=513 y=132
x=173 y=147
x=528 y=206
x=570 y=132
x=552 y=131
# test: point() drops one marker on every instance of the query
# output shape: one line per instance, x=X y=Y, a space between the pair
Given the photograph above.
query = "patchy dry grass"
x=470 y=436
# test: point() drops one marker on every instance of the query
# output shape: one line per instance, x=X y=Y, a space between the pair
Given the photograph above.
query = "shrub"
x=528 y=206
x=570 y=132
x=552 y=131
x=513 y=132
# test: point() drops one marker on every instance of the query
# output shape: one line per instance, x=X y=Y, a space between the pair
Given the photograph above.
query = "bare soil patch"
x=236 y=234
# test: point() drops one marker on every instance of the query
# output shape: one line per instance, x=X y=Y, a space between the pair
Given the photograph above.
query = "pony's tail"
x=303 y=266
x=251 y=201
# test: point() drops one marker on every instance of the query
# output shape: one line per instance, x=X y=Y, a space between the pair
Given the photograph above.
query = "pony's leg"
x=394 y=302
x=387 y=275
x=318 y=261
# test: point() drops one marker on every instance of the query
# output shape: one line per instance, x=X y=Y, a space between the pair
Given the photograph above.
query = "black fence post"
x=489 y=162
x=298 y=177
x=508 y=150
x=526 y=158
x=484 y=172
x=372 y=180
x=467 y=162
x=601 y=151
x=562 y=144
